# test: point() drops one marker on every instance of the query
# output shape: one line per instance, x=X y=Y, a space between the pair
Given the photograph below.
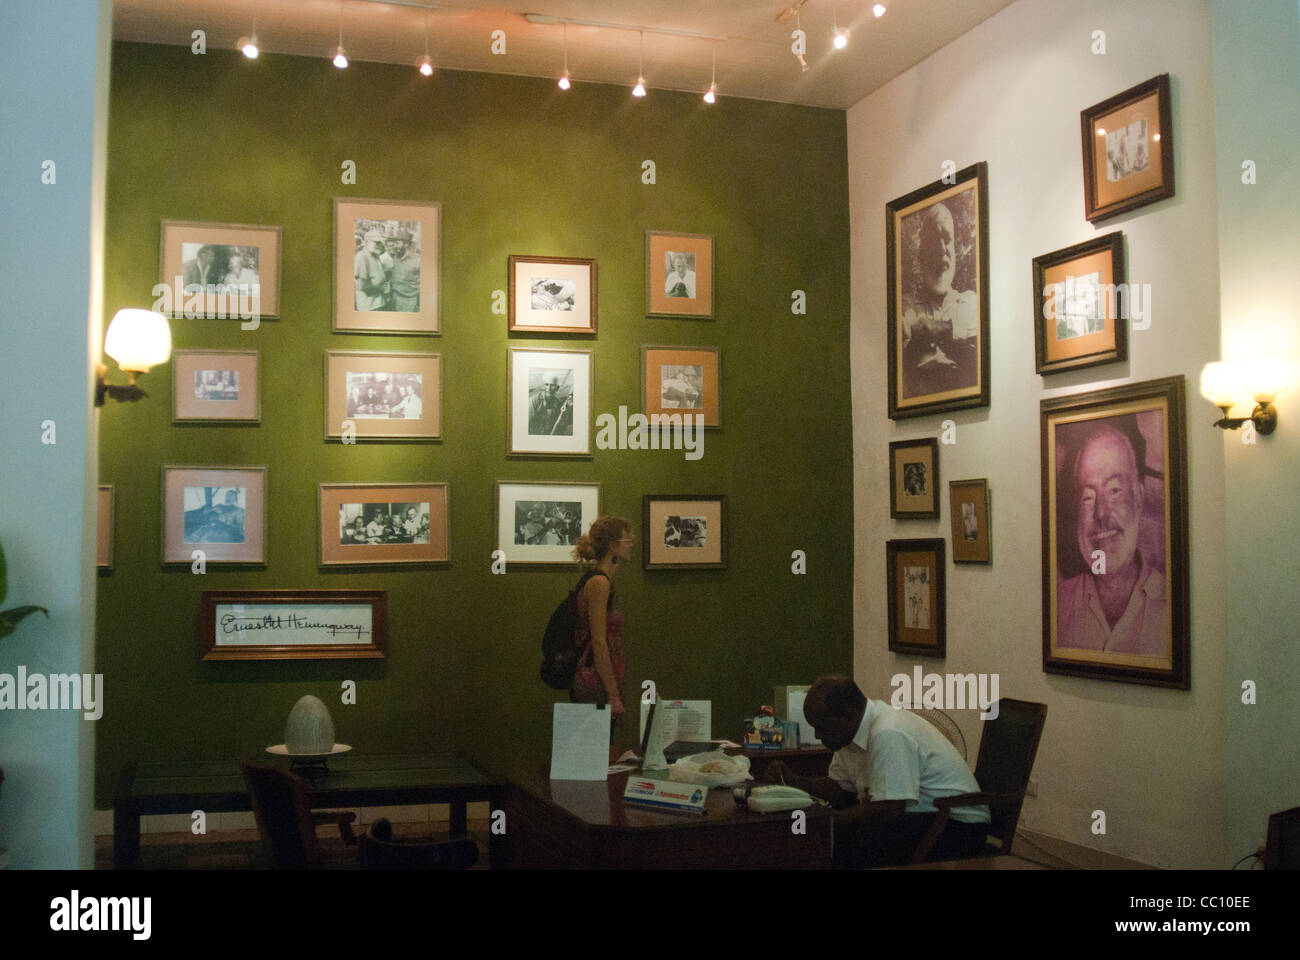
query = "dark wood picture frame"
x=902 y=638
x=212 y=600
x=918 y=364
x=903 y=504
x=1100 y=201
x=658 y=554
x=1103 y=255
x=589 y=298
x=976 y=494
x=1097 y=435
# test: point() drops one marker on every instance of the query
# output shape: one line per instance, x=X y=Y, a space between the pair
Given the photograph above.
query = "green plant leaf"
x=10 y=618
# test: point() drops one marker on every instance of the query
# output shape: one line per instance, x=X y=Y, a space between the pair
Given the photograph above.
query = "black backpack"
x=560 y=654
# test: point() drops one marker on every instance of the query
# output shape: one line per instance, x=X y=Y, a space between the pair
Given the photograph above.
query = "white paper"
x=681 y=720
x=794 y=711
x=579 y=741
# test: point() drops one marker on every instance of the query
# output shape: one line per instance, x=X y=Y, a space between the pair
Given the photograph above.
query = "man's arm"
x=823 y=787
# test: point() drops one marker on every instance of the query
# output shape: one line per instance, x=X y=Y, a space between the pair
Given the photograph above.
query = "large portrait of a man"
x=1115 y=534
x=937 y=253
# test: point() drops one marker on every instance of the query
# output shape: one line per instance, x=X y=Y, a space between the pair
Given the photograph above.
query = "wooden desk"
x=354 y=780
x=1005 y=862
x=805 y=761
x=585 y=825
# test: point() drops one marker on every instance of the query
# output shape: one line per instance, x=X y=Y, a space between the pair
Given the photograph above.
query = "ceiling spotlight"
x=841 y=39
x=425 y=65
x=712 y=95
x=564 y=81
x=340 y=59
x=249 y=47
x=639 y=89
x=878 y=10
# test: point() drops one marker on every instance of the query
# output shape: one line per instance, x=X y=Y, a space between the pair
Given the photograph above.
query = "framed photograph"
x=386 y=266
x=366 y=524
x=1128 y=150
x=383 y=396
x=211 y=386
x=219 y=510
x=225 y=271
x=972 y=534
x=293 y=625
x=541 y=522
x=549 y=398
x=1077 y=318
x=104 y=528
x=937 y=255
x=678 y=274
x=552 y=295
x=685 y=381
x=1115 y=570
x=917 y=597
x=914 y=479
x=684 y=532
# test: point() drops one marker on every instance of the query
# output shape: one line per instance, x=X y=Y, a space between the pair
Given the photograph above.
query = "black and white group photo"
x=220 y=268
x=216 y=384
x=385 y=396
x=548 y=522
x=681 y=386
x=214 y=514
x=386 y=265
x=370 y=523
x=1126 y=150
x=685 y=531
x=1080 y=306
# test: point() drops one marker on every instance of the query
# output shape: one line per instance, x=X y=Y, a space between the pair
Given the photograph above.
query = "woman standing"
x=606 y=547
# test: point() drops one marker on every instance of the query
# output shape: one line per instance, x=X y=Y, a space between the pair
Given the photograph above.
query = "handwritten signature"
x=230 y=623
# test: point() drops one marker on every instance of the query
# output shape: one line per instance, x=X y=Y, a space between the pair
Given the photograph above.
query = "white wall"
x=54 y=74
x=1009 y=93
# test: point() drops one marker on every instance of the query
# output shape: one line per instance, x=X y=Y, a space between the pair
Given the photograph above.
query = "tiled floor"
x=242 y=849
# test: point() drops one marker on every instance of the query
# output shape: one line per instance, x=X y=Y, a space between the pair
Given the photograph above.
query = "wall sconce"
x=137 y=340
x=1225 y=384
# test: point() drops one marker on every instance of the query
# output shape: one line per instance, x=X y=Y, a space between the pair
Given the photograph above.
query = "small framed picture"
x=225 y=271
x=293 y=624
x=540 y=523
x=104 y=524
x=210 y=386
x=971 y=534
x=914 y=479
x=383 y=396
x=386 y=266
x=684 y=381
x=552 y=295
x=917 y=598
x=1128 y=150
x=1115 y=538
x=218 y=510
x=684 y=532
x=364 y=524
x=937 y=296
x=549 y=397
x=678 y=274
x=1077 y=317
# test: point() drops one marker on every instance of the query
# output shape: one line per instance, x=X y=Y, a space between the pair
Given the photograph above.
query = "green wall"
x=519 y=168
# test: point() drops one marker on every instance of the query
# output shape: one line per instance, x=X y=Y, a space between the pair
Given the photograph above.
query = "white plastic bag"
x=713 y=769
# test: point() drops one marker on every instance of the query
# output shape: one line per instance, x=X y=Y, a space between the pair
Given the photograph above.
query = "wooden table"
x=354 y=780
x=586 y=825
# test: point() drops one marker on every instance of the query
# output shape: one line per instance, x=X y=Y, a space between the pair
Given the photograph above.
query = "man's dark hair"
x=840 y=695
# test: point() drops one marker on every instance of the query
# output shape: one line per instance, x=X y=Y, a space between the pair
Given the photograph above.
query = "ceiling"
x=753 y=49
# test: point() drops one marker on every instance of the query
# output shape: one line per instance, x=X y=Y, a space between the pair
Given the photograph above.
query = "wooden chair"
x=378 y=851
x=1282 y=848
x=282 y=807
x=1006 y=759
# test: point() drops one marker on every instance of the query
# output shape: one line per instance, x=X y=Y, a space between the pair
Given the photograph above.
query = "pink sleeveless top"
x=586 y=681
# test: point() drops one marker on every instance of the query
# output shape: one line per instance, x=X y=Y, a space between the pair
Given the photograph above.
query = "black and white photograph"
x=548 y=522
x=386 y=265
x=686 y=532
x=681 y=386
x=385 y=396
x=916 y=593
x=214 y=514
x=970 y=531
x=1126 y=150
x=211 y=385
x=1080 y=306
x=550 y=402
x=220 y=268
x=376 y=523
x=552 y=293
x=937 y=244
x=680 y=269
x=914 y=479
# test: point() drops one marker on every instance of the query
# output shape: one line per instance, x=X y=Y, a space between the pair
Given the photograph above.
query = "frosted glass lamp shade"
x=1221 y=384
x=309 y=730
x=138 y=339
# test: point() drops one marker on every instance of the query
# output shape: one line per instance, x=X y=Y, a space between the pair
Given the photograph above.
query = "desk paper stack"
x=579 y=742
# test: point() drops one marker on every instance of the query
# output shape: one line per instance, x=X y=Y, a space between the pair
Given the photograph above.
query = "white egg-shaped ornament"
x=309 y=731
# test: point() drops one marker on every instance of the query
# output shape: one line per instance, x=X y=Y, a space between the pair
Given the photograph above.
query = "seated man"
x=888 y=768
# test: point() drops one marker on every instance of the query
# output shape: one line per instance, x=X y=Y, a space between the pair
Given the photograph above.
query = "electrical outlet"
x=1032 y=789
